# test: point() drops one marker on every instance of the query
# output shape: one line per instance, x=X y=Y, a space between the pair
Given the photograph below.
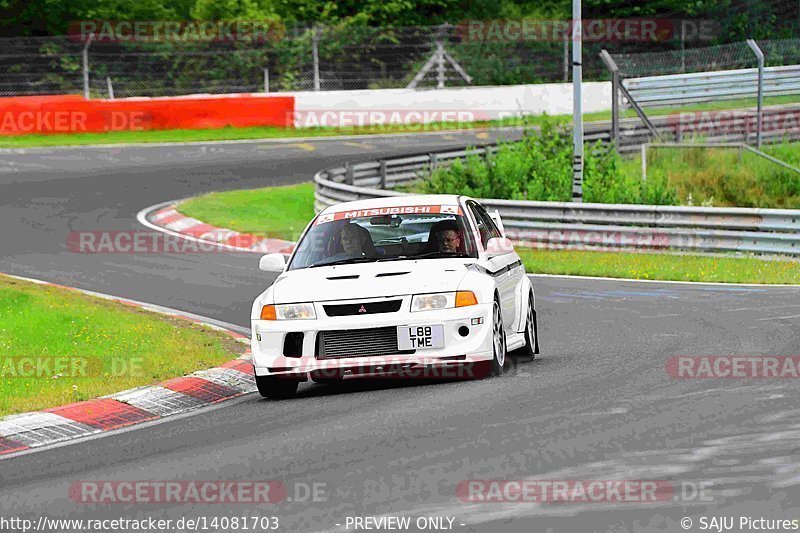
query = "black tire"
x=326 y=376
x=531 y=347
x=276 y=388
x=499 y=362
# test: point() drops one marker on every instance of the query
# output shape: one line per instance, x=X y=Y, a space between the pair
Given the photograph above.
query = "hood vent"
x=385 y=274
x=352 y=276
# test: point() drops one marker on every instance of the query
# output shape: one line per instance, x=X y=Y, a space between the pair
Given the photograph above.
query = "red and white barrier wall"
x=381 y=107
x=467 y=104
x=74 y=114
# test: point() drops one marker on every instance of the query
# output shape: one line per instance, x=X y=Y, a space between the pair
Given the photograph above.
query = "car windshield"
x=386 y=234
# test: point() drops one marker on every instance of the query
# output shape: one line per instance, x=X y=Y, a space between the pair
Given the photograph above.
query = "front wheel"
x=497 y=365
x=276 y=388
x=531 y=347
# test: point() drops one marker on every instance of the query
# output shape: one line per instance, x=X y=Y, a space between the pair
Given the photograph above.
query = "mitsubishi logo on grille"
x=362 y=309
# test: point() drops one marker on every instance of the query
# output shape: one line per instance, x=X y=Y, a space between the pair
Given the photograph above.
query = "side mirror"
x=498 y=246
x=272 y=263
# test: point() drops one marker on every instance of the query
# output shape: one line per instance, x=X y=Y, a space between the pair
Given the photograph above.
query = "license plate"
x=420 y=337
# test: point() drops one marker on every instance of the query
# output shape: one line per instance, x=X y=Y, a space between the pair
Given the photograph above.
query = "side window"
x=486 y=227
x=493 y=229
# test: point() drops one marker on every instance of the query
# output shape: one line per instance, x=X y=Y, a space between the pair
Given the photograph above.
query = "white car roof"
x=396 y=201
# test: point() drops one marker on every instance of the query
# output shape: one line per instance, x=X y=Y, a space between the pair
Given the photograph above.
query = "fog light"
x=463 y=331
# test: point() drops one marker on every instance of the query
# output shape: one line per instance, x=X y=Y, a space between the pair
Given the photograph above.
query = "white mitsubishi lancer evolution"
x=386 y=286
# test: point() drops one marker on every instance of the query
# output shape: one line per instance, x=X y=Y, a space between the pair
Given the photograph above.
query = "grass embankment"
x=280 y=212
x=59 y=346
x=723 y=176
x=231 y=134
x=248 y=211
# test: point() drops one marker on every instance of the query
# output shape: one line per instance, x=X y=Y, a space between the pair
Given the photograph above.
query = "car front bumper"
x=268 y=340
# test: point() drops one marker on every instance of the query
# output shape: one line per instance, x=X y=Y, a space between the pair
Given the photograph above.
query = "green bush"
x=540 y=168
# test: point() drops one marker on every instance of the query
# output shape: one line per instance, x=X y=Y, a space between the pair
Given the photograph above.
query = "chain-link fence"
x=304 y=58
x=707 y=59
x=40 y=65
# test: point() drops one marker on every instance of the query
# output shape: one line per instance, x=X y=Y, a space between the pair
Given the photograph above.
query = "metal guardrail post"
x=639 y=111
x=349 y=175
x=266 y=79
x=383 y=173
x=577 y=102
x=315 y=55
x=615 y=82
x=85 y=65
x=110 y=87
x=434 y=161
x=760 y=57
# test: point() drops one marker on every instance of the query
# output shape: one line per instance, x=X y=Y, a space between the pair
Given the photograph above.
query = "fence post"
x=683 y=45
x=85 y=58
x=760 y=57
x=434 y=157
x=615 y=82
x=315 y=53
x=440 y=71
x=349 y=175
x=566 y=56
x=383 y=174
x=110 y=88
x=266 y=79
x=644 y=162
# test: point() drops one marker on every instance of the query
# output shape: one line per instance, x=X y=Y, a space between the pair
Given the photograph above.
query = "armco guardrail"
x=728 y=125
x=590 y=226
x=699 y=87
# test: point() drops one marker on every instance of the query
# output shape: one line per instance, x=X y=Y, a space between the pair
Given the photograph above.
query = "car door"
x=504 y=268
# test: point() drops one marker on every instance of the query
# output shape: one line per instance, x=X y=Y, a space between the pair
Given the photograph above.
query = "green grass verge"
x=722 y=177
x=294 y=206
x=230 y=134
x=280 y=212
x=220 y=134
x=661 y=266
x=59 y=346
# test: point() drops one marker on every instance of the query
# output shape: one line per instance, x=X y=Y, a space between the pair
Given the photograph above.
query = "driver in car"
x=448 y=236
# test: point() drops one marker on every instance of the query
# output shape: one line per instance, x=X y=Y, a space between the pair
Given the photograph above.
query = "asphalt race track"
x=597 y=405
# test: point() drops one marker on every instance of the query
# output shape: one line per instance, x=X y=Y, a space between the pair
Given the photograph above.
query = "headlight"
x=442 y=300
x=304 y=311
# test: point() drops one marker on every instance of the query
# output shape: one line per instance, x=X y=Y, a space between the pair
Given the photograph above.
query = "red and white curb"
x=167 y=219
x=26 y=431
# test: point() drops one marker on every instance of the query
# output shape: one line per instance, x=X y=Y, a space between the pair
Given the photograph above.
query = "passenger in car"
x=356 y=241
